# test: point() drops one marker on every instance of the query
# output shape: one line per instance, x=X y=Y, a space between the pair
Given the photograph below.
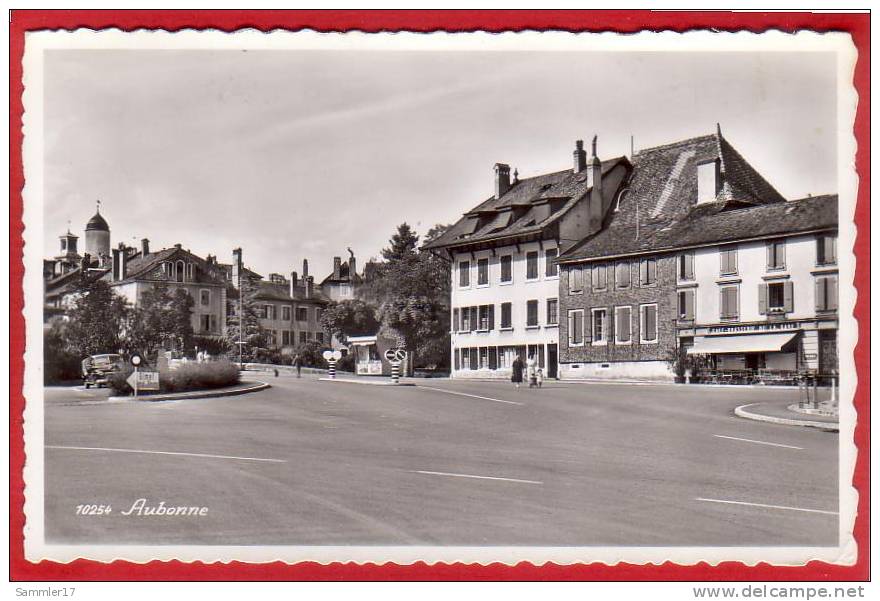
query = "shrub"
x=346 y=363
x=187 y=376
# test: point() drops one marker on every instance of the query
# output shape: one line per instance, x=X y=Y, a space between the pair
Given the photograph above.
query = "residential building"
x=505 y=282
x=700 y=251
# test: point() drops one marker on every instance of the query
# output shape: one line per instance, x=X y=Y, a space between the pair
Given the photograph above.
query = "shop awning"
x=744 y=343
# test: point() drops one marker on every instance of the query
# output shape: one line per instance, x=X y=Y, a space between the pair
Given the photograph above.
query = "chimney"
x=293 y=284
x=145 y=247
x=352 y=265
x=237 y=267
x=309 y=282
x=502 y=179
x=337 y=266
x=596 y=201
x=580 y=156
x=305 y=270
x=119 y=259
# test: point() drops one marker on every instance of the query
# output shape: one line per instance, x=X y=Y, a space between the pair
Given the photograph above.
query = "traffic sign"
x=135 y=359
x=391 y=354
x=144 y=380
x=336 y=355
x=327 y=355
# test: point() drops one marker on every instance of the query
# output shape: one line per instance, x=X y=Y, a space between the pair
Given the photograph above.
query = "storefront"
x=781 y=352
x=369 y=355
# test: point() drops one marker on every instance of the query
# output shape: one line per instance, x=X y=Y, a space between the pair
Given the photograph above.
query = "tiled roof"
x=715 y=223
x=529 y=206
x=662 y=191
x=148 y=267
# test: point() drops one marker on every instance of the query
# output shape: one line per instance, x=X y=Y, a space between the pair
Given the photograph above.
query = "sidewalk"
x=348 y=378
x=786 y=413
x=243 y=387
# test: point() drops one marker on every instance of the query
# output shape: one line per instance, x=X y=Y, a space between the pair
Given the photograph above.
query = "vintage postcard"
x=450 y=297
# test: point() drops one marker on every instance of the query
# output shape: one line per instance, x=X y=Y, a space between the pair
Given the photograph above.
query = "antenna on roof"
x=632 y=143
x=98 y=204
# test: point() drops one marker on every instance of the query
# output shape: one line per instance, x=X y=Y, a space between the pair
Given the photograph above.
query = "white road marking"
x=476 y=396
x=477 y=477
x=768 y=506
x=166 y=453
x=771 y=444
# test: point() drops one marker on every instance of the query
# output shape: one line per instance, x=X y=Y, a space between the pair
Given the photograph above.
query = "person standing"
x=539 y=377
x=531 y=364
x=297 y=363
x=516 y=373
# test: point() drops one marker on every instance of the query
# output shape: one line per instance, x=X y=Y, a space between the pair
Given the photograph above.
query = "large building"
x=701 y=252
x=505 y=282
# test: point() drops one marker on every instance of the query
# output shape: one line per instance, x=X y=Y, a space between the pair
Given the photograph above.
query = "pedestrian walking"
x=539 y=375
x=531 y=365
x=297 y=363
x=516 y=373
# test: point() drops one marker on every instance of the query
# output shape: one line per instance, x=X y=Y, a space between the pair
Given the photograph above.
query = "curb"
x=741 y=412
x=366 y=382
x=194 y=394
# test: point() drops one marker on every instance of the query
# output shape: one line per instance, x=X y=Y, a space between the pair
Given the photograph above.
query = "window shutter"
x=832 y=293
x=726 y=309
x=771 y=263
x=455 y=318
x=689 y=304
x=493 y=357
x=492 y=317
x=643 y=272
x=762 y=298
x=820 y=294
x=474 y=325
x=734 y=295
x=588 y=327
x=457 y=356
x=788 y=296
x=832 y=249
x=570 y=329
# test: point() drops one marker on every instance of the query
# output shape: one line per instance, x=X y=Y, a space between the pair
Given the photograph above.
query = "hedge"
x=187 y=376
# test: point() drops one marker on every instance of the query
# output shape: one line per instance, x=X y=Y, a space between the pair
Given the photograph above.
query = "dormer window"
x=708 y=181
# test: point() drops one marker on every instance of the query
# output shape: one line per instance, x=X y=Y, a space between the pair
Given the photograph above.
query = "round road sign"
x=136 y=359
x=400 y=354
x=336 y=355
x=327 y=355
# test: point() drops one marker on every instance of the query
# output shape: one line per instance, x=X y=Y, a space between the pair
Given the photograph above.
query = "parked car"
x=98 y=368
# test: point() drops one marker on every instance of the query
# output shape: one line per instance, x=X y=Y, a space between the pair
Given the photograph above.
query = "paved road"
x=461 y=463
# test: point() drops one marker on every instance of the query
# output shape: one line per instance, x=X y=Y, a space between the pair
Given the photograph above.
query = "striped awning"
x=743 y=343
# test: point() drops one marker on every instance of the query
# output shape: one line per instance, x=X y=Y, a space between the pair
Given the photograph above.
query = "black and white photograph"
x=446 y=297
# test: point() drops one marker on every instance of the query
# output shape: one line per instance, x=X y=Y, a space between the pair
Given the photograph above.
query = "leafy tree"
x=60 y=362
x=96 y=319
x=414 y=292
x=244 y=316
x=350 y=318
x=161 y=317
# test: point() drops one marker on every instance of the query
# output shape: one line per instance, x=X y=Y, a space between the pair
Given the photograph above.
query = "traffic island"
x=370 y=381
x=784 y=413
x=235 y=390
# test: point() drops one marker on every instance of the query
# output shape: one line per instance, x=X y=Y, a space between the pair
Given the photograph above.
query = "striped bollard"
x=395 y=372
x=331 y=372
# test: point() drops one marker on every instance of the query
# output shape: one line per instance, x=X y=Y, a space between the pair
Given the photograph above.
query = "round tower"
x=97 y=236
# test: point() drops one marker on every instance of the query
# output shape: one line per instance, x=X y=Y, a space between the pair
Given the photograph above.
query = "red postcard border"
x=626 y=21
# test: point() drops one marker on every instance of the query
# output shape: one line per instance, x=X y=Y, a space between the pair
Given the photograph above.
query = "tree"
x=244 y=316
x=96 y=319
x=350 y=318
x=161 y=317
x=414 y=292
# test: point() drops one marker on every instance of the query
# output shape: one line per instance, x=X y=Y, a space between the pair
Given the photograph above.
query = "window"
x=205 y=323
x=319 y=336
x=466 y=319
x=455 y=320
x=464 y=274
x=484 y=317
x=302 y=313
x=484 y=357
x=600 y=333
x=181 y=266
x=269 y=312
x=622 y=275
x=648 y=272
x=776 y=254
x=686 y=267
x=532 y=265
x=648 y=323
x=623 y=325
x=285 y=312
x=204 y=297
x=729 y=302
x=826 y=249
x=707 y=182
x=552 y=311
x=531 y=313
x=775 y=297
x=482 y=272
x=576 y=327
x=303 y=337
x=686 y=304
x=600 y=277
x=728 y=261
x=191 y=271
x=318 y=313
x=507 y=268
x=575 y=279
x=552 y=268
x=506 y=315
x=285 y=338
x=826 y=293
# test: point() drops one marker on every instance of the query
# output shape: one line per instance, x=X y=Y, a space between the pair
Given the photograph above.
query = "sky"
x=300 y=154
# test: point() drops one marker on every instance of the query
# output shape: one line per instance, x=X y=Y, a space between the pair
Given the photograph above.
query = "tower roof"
x=97 y=223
